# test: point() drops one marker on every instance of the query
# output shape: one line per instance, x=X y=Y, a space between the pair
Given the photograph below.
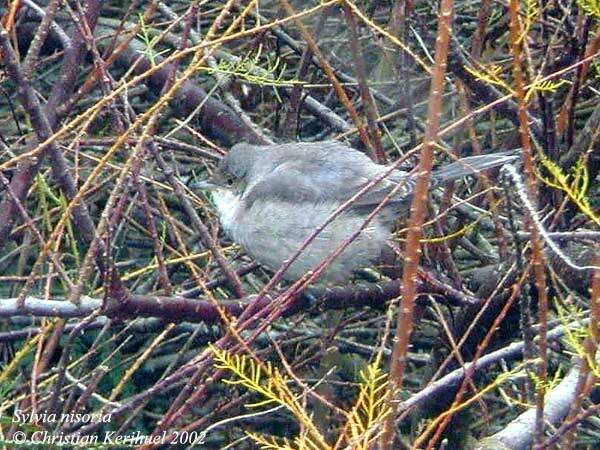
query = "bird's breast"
x=228 y=205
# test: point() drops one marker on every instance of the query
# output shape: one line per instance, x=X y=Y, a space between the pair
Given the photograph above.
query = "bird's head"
x=233 y=172
x=228 y=181
x=220 y=180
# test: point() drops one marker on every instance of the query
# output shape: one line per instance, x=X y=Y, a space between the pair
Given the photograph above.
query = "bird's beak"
x=203 y=185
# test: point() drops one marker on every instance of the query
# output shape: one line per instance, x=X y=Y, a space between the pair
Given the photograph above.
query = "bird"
x=271 y=198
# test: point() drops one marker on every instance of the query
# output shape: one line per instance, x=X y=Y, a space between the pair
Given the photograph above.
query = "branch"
x=518 y=434
x=178 y=309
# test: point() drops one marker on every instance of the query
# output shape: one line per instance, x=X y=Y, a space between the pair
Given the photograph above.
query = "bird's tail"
x=472 y=165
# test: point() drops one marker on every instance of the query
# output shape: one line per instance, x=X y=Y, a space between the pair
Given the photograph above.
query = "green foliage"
x=576 y=335
x=590 y=7
x=8 y=386
x=548 y=384
x=261 y=379
x=50 y=199
x=245 y=68
x=371 y=408
x=363 y=421
x=491 y=74
x=575 y=184
x=150 y=42
x=532 y=11
x=547 y=86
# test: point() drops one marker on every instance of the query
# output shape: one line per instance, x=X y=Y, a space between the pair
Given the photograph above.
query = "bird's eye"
x=229 y=181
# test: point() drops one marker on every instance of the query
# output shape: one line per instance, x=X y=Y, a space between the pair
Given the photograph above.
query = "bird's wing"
x=332 y=172
x=470 y=165
x=318 y=180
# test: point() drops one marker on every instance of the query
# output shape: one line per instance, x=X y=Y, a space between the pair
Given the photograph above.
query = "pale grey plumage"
x=271 y=198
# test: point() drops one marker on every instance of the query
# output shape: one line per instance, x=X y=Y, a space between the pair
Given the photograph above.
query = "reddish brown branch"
x=538 y=261
x=418 y=210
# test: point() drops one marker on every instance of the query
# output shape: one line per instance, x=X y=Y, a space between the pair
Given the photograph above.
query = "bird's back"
x=293 y=189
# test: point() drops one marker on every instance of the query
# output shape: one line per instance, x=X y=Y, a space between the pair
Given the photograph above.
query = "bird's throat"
x=228 y=205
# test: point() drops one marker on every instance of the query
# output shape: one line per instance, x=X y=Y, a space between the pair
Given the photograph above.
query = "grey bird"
x=271 y=198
